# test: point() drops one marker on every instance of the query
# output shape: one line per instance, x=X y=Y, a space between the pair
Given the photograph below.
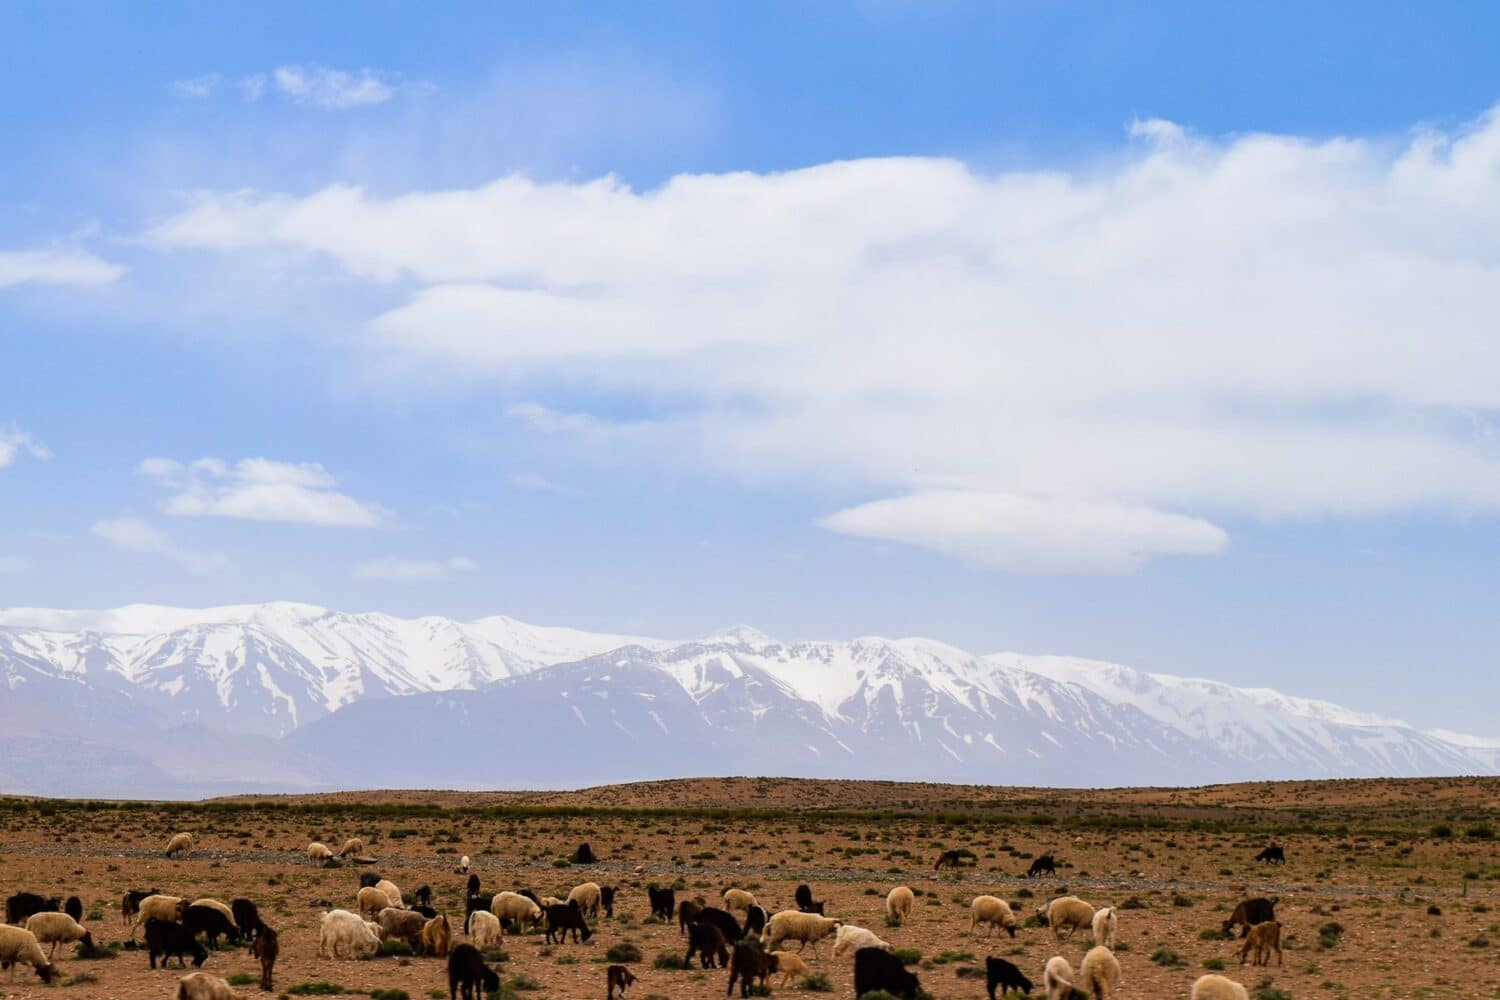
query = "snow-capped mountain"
x=305 y=687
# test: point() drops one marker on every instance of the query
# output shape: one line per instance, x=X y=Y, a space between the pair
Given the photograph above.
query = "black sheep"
x=584 y=855
x=1044 y=865
x=246 y=917
x=1000 y=973
x=265 y=947
x=723 y=920
x=663 y=901
x=165 y=939
x=423 y=895
x=472 y=888
x=211 y=923
x=607 y=899
x=878 y=969
x=804 y=898
x=426 y=911
x=707 y=942
x=565 y=917
x=1251 y=912
x=750 y=962
x=25 y=904
x=74 y=908
x=467 y=972
x=618 y=977
x=755 y=919
x=687 y=913
x=1273 y=853
x=368 y=880
x=130 y=903
x=473 y=903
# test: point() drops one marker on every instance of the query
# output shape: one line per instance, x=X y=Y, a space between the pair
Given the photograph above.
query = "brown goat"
x=1264 y=937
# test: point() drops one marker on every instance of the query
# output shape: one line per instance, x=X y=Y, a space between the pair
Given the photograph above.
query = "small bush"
x=625 y=951
x=239 y=979
x=391 y=994
x=1213 y=964
x=316 y=989
x=817 y=982
x=908 y=956
x=521 y=981
x=669 y=960
x=1166 y=957
x=394 y=948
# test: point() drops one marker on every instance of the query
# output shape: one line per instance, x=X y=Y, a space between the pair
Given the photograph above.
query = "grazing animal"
x=369 y=880
x=474 y=903
x=318 y=853
x=748 y=963
x=211 y=923
x=586 y=895
x=607 y=900
x=1103 y=925
x=471 y=888
x=423 y=895
x=397 y=922
x=1044 y=865
x=878 y=969
x=57 y=928
x=202 y=986
x=341 y=931
x=22 y=905
x=619 y=978
x=179 y=843
x=804 y=898
x=1057 y=978
x=1099 y=973
x=1067 y=913
x=437 y=937
x=804 y=928
x=738 y=899
x=246 y=918
x=663 y=901
x=789 y=965
x=425 y=911
x=1251 y=912
x=562 y=918
x=687 y=913
x=370 y=901
x=851 y=938
x=164 y=939
x=168 y=908
x=584 y=855
x=388 y=887
x=514 y=906
x=707 y=942
x=724 y=921
x=1218 y=988
x=992 y=912
x=74 y=908
x=948 y=859
x=484 y=929
x=130 y=903
x=898 y=904
x=463 y=867
x=468 y=973
x=354 y=846
x=755 y=919
x=1264 y=938
x=265 y=948
x=1274 y=853
x=18 y=946
x=998 y=973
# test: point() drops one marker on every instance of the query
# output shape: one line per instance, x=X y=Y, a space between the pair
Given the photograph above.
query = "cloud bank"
x=259 y=489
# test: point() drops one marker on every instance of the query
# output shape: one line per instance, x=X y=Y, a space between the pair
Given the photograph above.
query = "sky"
x=1161 y=333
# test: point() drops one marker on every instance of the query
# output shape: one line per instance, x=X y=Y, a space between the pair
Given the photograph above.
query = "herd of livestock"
x=739 y=936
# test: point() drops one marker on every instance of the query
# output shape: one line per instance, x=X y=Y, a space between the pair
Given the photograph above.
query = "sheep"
x=1067 y=912
x=850 y=939
x=341 y=931
x=19 y=946
x=370 y=901
x=707 y=942
x=607 y=899
x=1057 y=978
x=755 y=919
x=318 y=853
x=1275 y=853
x=370 y=879
x=202 y=986
x=354 y=846
x=211 y=923
x=687 y=913
x=437 y=937
x=388 y=887
x=738 y=899
x=396 y=922
x=993 y=912
x=165 y=938
x=74 y=908
x=1103 y=926
x=168 y=908
x=748 y=963
x=564 y=918
x=1251 y=912
x=222 y=907
x=484 y=929
x=805 y=900
x=1044 y=865
x=586 y=895
x=56 y=929
x=804 y=928
x=23 y=904
x=584 y=855
x=423 y=895
x=1218 y=988
x=265 y=948
x=246 y=918
x=130 y=903
x=467 y=971
x=463 y=865
x=179 y=843
x=618 y=977
x=877 y=969
x=663 y=901
x=1003 y=975
x=1265 y=938
x=948 y=859
x=513 y=906
x=1099 y=973
x=898 y=904
x=789 y=965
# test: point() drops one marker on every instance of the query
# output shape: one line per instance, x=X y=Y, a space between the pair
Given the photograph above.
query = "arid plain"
x=1391 y=888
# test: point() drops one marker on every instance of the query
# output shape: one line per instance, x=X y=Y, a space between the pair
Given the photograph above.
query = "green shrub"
x=239 y=979
x=669 y=960
x=625 y=951
x=315 y=989
x=1166 y=956
x=1213 y=964
x=394 y=948
x=817 y=982
x=391 y=994
x=908 y=956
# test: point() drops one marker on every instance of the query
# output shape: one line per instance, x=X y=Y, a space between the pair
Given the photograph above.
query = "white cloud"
x=198 y=86
x=536 y=482
x=1264 y=327
x=55 y=267
x=329 y=89
x=135 y=535
x=14 y=564
x=395 y=569
x=15 y=442
x=259 y=489
x=1031 y=535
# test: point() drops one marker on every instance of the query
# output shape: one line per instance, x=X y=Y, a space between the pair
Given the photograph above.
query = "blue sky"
x=1157 y=333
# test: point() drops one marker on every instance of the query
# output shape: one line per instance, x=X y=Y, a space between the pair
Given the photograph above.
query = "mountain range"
x=171 y=702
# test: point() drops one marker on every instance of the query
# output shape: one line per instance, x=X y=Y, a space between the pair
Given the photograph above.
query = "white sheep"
x=1104 y=926
x=484 y=929
x=1219 y=988
x=56 y=929
x=388 y=887
x=201 y=986
x=370 y=900
x=553 y=901
x=1099 y=975
x=318 y=852
x=161 y=907
x=18 y=946
x=463 y=865
x=789 y=965
x=180 y=842
x=898 y=904
x=354 y=846
x=804 y=928
x=513 y=906
x=586 y=896
x=1057 y=978
x=1067 y=912
x=340 y=931
x=738 y=899
x=993 y=912
x=851 y=938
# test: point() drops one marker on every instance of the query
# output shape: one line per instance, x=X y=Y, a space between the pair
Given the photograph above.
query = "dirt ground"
x=1392 y=889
